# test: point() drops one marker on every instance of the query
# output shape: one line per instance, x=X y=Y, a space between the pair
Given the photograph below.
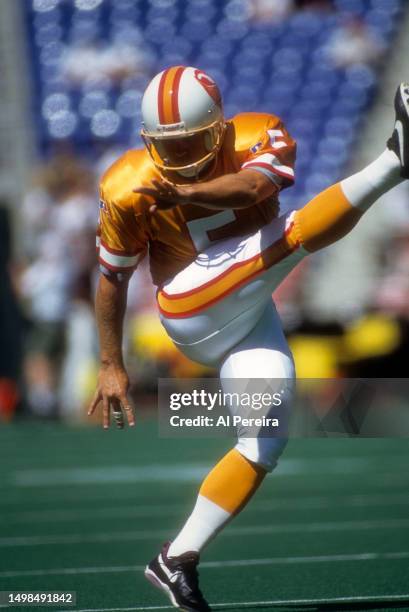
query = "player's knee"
x=265 y=452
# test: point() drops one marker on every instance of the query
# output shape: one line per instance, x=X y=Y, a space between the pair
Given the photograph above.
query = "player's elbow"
x=251 y=195
x=114 y=282
x=246 y=193
x=256 y=187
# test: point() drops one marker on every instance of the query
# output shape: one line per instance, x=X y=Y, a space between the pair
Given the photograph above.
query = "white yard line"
x=118 y=569
x=181 y=472
x=382 y=599
x=14 y=497
x=249 y=530
x=145 y=511
x=72 y=571
x=109 y=475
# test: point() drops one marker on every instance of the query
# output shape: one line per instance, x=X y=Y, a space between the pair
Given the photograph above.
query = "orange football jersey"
x=173 y=238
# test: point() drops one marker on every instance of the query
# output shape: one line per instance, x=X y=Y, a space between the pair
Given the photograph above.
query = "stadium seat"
x=272 y=67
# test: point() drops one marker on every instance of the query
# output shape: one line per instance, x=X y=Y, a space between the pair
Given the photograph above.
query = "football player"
x=201 y=201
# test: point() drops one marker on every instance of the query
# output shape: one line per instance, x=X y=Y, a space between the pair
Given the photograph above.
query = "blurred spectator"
x=10 y=327
x=78 y=371
x=59 y=218
x=314 y=5
x=265 y=11
x=59 y=206
x=392 y=294
x=354 y=43
x=104 y=63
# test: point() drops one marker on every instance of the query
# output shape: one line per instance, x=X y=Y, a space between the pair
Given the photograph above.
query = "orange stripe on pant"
x=232 y=482
x=323 y=221
x=191 y=302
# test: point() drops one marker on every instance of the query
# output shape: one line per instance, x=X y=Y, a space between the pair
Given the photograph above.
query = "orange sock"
x=224 y=492
x=325 y=219
x=232 y=482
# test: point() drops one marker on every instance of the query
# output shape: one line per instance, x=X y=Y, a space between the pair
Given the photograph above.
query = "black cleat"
x=179 y=579
x=399 y=141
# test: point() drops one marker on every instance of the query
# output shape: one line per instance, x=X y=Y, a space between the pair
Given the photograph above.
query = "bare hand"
x=166 y=194
x=112 y=391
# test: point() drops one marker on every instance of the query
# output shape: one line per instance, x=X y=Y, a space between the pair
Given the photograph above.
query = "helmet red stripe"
x=161 y=89
x=175 y=94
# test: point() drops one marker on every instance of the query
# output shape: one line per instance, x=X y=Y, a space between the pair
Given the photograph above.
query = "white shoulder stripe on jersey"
x=275 y=178
x=271 y=160
x=117 y=261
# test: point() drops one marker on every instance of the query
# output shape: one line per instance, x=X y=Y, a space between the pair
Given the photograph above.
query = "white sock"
x=202 y=525
x=365 y=187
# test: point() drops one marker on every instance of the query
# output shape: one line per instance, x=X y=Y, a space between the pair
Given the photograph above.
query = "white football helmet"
x=182 y=120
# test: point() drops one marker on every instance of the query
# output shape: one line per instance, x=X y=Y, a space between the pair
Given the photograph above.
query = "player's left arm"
x=235 y=190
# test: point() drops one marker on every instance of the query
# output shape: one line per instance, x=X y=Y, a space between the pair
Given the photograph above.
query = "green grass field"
x=84 y=510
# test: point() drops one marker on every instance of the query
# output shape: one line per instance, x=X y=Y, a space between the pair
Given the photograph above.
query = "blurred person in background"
x=314 y=5
x=10 y=326
x=104 y=63
x=392 y=289
x=58 y=217
x=354 y=43
x=265 y=11
x=384 y=330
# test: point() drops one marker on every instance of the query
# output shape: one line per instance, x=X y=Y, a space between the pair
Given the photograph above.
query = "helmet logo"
x=209 y=85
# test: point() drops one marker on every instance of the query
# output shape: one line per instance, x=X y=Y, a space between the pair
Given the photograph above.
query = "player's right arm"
x=113 y=381
x=122 y=243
